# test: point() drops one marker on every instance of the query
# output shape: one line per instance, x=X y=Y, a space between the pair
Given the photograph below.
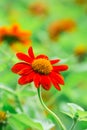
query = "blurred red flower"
x=39 y=69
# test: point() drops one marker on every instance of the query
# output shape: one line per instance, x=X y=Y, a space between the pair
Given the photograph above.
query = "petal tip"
x=30 y=52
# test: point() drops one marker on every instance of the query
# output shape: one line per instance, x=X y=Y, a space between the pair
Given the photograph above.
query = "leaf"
x=82 y=115
x=22 y=119
x=16 y=124
x=68 y=114
x=8 y=107
x=74 y=107
x=83 y=119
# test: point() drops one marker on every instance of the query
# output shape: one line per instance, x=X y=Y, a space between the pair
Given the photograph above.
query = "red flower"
x=39 y=69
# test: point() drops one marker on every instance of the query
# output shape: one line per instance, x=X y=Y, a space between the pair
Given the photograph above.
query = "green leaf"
x=16 y=124
x=8 y=107
x=82 y=115
x=74 y=107
x=22 y=119
x=68 y=114
x=83 y=119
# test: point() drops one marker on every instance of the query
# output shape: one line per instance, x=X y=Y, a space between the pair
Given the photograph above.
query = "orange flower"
x=38 y=8
x=54 y=30
x=2 y=116
x=14 y=35
x=67 y=24
x=81 y=52
x=81 y=1
x=60 y=26
x=39 y=69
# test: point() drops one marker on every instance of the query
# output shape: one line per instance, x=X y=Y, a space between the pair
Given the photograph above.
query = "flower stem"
x=19 y=103
x=7 y=90
x=52 y=113
x=73 y=125
x=74 y=121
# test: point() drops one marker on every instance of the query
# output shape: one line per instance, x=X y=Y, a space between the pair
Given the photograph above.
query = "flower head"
x=67 y=24
x=38 y=8
x=81 y=52
x=60 y=26
x=39 y=69
x=13 y=35
x=80 y=2
x=2 y=116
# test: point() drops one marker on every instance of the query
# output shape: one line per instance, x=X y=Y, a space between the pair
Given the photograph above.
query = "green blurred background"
x=42 y=18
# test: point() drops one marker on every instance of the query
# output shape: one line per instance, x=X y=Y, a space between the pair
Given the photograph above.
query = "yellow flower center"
x=42 y=66
x=2 y=116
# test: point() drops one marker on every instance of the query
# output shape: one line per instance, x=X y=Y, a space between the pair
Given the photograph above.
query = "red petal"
x=37 y=79
x=21 y=68
x=60 y=68
x=45 y=82
x=24 y=57
x=59 y=78
x=30 y=52
x=42 y=56
x=26 y=79
x=56 y=85
x=54 y=61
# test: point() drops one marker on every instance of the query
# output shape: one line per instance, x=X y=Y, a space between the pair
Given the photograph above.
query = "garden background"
x=58 y=29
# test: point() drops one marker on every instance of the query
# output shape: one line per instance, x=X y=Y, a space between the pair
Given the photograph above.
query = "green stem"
x=7 y=90
x=73 y=125
x=15 y=95
x=19 y=103
x=53 y=114
x=74 y=121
